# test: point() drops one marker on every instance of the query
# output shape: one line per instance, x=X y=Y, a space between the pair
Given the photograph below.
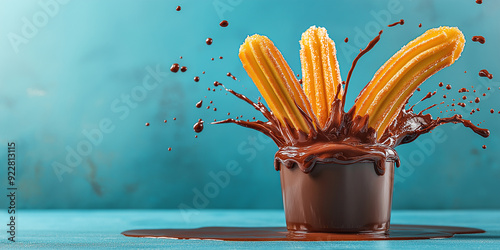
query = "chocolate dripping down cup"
x=338 y=198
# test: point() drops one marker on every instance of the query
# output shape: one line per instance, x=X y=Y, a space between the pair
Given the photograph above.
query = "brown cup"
x=338 y=198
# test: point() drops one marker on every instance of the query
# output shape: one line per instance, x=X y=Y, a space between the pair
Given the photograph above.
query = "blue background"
x=83 y=57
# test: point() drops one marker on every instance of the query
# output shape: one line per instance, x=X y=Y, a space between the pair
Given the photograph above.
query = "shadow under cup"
x=337 y=198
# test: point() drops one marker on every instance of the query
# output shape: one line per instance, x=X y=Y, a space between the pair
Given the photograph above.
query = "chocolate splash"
x=401 y=22
x=370 y=46
x=345 y=139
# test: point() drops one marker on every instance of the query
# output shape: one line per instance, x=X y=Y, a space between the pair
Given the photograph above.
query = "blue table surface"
x=101 y=228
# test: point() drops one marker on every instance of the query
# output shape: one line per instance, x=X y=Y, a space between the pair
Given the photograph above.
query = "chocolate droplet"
x=209 y=41
x=174 y=68
x=199 y=104
x=485 y=73
x=224 y=23
x=198 y=126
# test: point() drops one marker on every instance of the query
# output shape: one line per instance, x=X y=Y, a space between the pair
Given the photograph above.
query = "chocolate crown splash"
x=348 y=137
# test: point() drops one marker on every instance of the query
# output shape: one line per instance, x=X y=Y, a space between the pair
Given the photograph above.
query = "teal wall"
x=69 y=73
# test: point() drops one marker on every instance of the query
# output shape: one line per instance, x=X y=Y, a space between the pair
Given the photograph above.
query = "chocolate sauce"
x=224 y=23
x=183 y=69
x=209 y=41
x=339 y=153
x=174 y=68
x=479 y=39
x=198 y=126
x=396 y=232
x=196 y=78
x=178 y=8
x=199 y=104
x=401 y=22
x=485 y=73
